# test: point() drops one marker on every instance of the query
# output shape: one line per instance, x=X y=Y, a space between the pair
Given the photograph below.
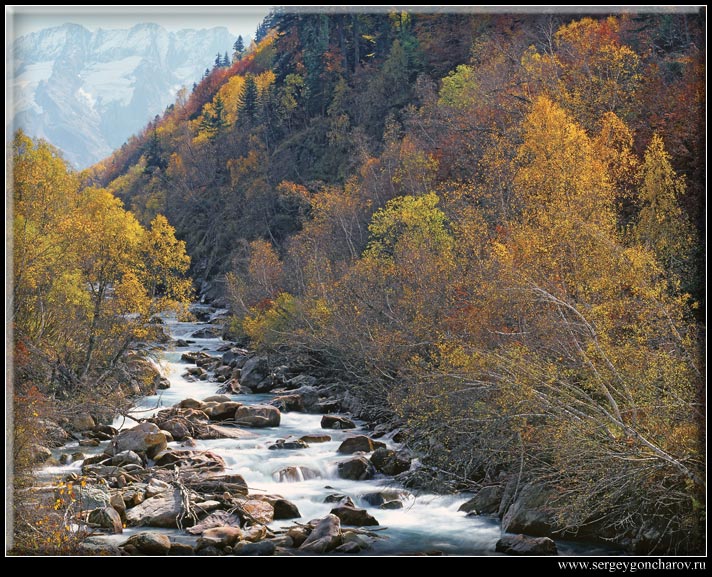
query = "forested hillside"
x=490 y=224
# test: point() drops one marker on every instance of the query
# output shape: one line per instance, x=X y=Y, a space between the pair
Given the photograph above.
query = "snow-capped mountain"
x=87 y=91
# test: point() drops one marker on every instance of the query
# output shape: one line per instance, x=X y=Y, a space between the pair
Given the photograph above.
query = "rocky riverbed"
x=233 y=455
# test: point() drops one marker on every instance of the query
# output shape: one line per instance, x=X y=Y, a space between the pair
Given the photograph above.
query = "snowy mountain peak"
x=87 y=91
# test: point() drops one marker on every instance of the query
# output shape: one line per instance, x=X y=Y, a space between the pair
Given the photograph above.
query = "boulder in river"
x=215 y=519
x=288 y=444
x=159 y=511
x=220 y=537
x=529 y=513
x=311 y=439
x=235 y=358
x=217 y=399
x=126 y=458
x=257 y=416
x=143 y=438
x=209 y=332
x=254 y=372
x=223 y=411
x=203 y=460
x=150 y=543
x=106 y=518
x=354 y=516
x=336 y=422
x=258 y=510
x=177 y=429
x=325 y=537
x=284 y=509
x=358 y=469
x=231 y=483
x=287 y=403
x=486 y=502
x=161 y=383
x=389 y=462
x=359 y=443
x=379 y=498
x=295 y=474
x=524 y=545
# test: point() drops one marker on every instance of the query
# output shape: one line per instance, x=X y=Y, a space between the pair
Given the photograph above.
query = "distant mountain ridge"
x=87 y=91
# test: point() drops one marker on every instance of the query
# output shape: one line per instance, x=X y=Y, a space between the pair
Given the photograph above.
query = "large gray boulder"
x=325 y=536
x=359 y=443
x=486 y=502
x=159 y=511
x=149 y=543
x=528 y=513
x=358 y=469
x=254 y=371
x=145 y=438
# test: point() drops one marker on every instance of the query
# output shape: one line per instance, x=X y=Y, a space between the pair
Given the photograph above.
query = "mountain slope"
x=87 y=92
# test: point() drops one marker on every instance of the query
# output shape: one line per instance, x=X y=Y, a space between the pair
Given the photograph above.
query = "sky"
x=237 y=19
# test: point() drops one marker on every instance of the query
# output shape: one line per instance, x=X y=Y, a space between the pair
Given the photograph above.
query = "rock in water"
x=295 y=474
x=159 y=511
x=359 y=443
x=353 y=516
x=260 y=549
x=358 y=469
x=336 y=422
x=486 y=502
x=325 y=536
x=144 y=438
x=106 y=518
x=524 y=545
x=389 y=462
x=150 y=543
x=284 y=509
x=258 y=416
x=254 y=371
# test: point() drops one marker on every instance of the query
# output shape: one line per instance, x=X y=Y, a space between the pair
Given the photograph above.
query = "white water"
x=426 y=523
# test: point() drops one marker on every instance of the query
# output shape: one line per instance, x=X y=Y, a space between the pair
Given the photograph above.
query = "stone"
x=354 y=516
x=298 y=535
x=340 y=499
x=254 y=371
x=287 y=403
x=82 y=422
x=134 y=495
x=223 y=411
x=259 y=511
x=180 y=549
x=377 y=498
x=180 y=343
x=231 y=483
x=348 y=549
x=255 y=533
x=207 y=333
x=336 y=422
x=89 y=442
x=161 y=383
x=328 y=406
x=194 y=356
x=117 y=502
x=300 y=381
x=226 y=432
x=528 y=513
x=126 y=458
x=221 y=536
x=235 y=358
x=359 y=443
x=311 y=439
x=216 y=519
x=217 y=399
x=177 y=429
x=159 y=511
x=52 y=433
x=486 y=502
x=389 y=462
x=325 y=537
x=96 y=459
x=524 y=545
x=205 y=460
x=150 y=543
x=284 y=444
x=143 y=438
x=156 y=487
x=106 y=518
x=391 y=505
x=284 y=509
x=39 y=454
x=295 y=474
x=358 y=469
x=196 y=371
x=258 y=416
x=259 y=549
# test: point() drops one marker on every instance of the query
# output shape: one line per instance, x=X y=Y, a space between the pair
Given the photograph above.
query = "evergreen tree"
x=249 y=101
x=239 y=48
x=226 y=60
x=218 y=61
